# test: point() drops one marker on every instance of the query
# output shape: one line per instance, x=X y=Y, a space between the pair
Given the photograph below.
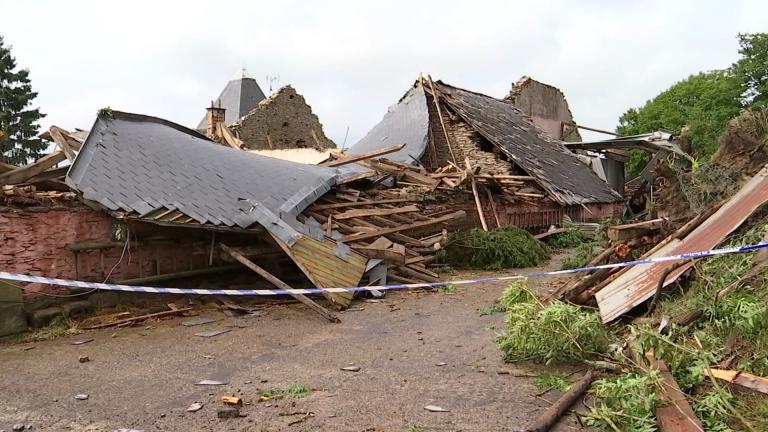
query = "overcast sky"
x=351 y=60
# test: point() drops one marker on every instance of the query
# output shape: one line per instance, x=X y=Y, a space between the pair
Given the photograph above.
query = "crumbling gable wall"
x=465 y=141
x=287 y=120
x=545 y=106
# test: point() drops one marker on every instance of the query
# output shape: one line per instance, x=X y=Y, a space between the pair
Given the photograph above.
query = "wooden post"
x=280 y=284
x=474 y=192
x=493 y=207
x=436 y=98
x=553 y=413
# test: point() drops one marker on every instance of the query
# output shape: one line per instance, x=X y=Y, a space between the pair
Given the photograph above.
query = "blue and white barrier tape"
x=191 y=291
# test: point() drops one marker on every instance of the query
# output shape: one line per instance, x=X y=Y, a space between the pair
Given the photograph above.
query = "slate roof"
x=406 y=122
x=140 y=164
x=241 y=94
x=568 y=181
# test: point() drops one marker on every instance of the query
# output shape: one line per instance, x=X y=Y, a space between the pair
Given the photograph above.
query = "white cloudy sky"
x=351 y=60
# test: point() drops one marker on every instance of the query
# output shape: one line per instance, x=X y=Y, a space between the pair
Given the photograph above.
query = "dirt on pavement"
x=144 y=378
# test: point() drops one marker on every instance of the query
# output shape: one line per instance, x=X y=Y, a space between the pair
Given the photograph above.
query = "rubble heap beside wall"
x=288 y=120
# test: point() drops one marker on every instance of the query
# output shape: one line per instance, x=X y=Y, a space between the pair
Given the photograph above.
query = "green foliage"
x=19 y=123
x=703 y=102
x=580 y=258
x=106 y=112
x=59 y=327
x=752 y=68
x=558 y=332
x=558 y=381
x=489 y=310
x=507 y=247
x=295 y=391
x=626 y=403
x=572 y=237
x=517 y=292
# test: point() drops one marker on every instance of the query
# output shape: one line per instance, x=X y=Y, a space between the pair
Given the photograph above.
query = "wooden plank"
x=752 y=382
x=375 y=212
x=388 y=255
x=58 y=137
x=355 y=178
x=397 y=247
x=316 y=262
x=414 y=260
x=226 y=134
x=407 y=175
x=422 y=269
x=50 y=174
x=436 y=99
x=381 y=243
x=326 y=251
x=280 y=284
x=364 y=156
x=677 y=415
x=410 y=271
x=21 y=174
x=453 y=216
x=477 y=197
x=493 y=207
x=630 y=231
x=549 y=233
x=137 y=318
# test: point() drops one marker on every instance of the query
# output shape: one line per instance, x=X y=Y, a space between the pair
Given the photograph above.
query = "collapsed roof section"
x=407 y=123
x=556 y=169
x=141 y=165
x=241 y=94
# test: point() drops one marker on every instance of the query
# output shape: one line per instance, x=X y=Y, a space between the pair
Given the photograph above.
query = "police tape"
x=193 y=291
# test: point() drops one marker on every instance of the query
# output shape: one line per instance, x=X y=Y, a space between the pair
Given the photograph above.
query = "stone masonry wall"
x=34 y=243
x=288 y=120
x=465 y=142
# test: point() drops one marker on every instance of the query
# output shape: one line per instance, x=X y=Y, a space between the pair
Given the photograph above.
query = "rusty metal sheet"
x=639 y=283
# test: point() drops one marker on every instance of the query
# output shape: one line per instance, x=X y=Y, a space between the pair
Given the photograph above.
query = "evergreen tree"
x=18 y=143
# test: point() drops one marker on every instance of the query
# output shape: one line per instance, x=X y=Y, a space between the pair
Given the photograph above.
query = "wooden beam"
x=477 y=196
x=375 y=212
x=453 y=216
x=280 y=284
x=553 y=413
x=436 y=99
x=21 y=174
x=355 y=178
x=358 y=204
x=677 y=415
x=226 y=134
x=630 y=231
x=407 y=175
x=364 y=156
x=388 y=255
x=127 y=320
x=49 y=175
x=746 y=380
x=58 y=137
x=591 y=129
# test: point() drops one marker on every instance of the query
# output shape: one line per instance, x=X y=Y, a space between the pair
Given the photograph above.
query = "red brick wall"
x=34 y=243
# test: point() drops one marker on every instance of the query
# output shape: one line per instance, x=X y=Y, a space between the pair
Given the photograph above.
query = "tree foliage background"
x=18 y=143
x=703 y=102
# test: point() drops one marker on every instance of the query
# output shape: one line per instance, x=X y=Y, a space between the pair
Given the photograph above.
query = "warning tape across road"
x=193 y=291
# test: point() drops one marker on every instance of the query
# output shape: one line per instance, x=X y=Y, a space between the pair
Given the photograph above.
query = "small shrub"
x=295 y=391
x=572 y=237
x=488 y=310
x=507 y=247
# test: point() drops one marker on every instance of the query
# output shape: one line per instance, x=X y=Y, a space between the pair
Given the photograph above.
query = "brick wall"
x=34 y=243
x=288 y=120
x=546 y=106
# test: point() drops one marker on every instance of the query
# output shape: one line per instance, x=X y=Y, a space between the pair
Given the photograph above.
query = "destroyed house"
x=536 y=179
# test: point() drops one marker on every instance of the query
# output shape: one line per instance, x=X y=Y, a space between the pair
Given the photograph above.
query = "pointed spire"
x=241 y=74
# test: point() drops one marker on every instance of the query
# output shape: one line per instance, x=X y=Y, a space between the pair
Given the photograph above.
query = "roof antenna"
x=271 y=80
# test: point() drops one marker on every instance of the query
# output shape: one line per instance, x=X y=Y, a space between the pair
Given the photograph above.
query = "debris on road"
x=433 y=408
x=553 y=413
x=351 y=368
x=209 y=357
x=198 y=321
x=81 y=397
x=195 y=407
x=228 y=412
x=232 y=400
x=210 y=382
x=84 y=359
x=82 y=341
x=212 y=333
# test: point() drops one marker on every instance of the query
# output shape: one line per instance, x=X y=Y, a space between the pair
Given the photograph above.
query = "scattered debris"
x=441 y=364
x=198 y=321
x=84 y=359
x=433 y=408
x=228 y=412
x=210 y=382
x=81 y=397
x=21 y=427
x=351 y=368
x=232 y=400
x=209 y=357
x=553 y=413
x=82 y=341
x=213 y=333
x=195 y=407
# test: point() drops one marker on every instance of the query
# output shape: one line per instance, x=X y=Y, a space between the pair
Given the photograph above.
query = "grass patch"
x=294 y=391
x=548 y=380
x=580 y=258
x=59 y=327
x=447 y=289
x=507 y=247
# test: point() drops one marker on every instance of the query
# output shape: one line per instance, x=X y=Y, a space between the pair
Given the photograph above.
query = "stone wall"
x=34 y=243
x=287 y=119
x=545 y=106
x=465 y=141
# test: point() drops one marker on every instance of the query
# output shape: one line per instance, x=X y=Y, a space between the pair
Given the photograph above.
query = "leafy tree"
x=752 y=68
x=703 y=102
x=18 y=123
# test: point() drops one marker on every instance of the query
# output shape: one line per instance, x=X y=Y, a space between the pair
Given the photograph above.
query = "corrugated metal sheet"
x=639 y=283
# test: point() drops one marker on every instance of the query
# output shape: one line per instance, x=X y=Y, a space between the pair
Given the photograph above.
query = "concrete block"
x=43 y=317
x=13 y=318
x=104 y=299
